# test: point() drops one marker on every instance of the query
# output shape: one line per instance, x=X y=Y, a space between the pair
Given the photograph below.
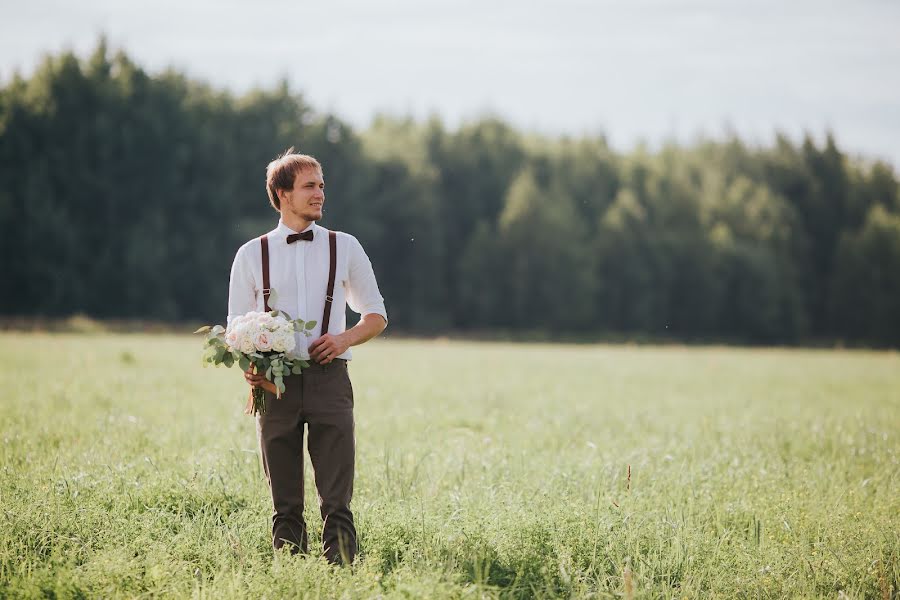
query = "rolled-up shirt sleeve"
x=241 y=287
x=363 y=295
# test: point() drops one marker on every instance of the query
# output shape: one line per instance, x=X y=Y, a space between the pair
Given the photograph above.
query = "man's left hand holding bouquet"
x=260 y=381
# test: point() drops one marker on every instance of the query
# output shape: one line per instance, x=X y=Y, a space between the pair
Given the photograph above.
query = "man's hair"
x=282 y=171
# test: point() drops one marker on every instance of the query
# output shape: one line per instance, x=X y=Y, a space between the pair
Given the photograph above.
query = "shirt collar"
x=285 y=231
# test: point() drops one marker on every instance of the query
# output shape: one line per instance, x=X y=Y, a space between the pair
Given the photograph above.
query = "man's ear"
x=282 y=195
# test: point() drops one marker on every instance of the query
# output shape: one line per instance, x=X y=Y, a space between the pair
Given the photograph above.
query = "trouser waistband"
x=336 y=363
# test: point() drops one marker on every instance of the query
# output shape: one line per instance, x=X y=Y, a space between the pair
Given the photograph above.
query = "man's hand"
x=328 y=347
x=259 y=380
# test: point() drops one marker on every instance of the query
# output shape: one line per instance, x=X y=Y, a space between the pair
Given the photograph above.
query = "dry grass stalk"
x=626 y=576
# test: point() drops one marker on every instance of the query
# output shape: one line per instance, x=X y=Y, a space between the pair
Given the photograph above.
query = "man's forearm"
x=369 y=326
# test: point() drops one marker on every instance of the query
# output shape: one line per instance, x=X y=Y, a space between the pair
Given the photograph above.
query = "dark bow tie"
x=305 y=236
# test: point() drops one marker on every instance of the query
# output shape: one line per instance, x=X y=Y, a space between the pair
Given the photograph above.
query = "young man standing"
x=304 y=261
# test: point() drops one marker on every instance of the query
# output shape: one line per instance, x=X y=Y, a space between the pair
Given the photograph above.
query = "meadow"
x=483 y=470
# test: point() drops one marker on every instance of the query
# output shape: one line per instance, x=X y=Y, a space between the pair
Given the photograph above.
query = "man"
x=300 y=265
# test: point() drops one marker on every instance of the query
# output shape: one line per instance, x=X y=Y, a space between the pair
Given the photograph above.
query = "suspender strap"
x=264 y=241
x=332 y=267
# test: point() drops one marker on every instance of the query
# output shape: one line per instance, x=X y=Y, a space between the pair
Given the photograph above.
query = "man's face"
x=307 y=198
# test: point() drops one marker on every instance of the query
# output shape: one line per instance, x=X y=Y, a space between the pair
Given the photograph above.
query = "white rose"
x=239 y=322
x=247 y=345
x=289 y=341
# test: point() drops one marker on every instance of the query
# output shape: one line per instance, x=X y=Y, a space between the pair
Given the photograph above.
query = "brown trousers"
x=322 y=399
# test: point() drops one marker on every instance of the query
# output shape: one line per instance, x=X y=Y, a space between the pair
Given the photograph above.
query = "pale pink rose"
x=231 y=338
x=263 y=341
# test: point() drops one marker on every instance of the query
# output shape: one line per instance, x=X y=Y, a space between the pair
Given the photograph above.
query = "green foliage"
x=482 y=470
x=125 y=194
x=866 y=288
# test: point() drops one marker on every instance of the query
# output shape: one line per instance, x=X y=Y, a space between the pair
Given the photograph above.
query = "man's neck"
x=295 y=224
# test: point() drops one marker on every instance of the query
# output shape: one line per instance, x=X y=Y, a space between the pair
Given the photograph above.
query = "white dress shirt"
x=298 y=274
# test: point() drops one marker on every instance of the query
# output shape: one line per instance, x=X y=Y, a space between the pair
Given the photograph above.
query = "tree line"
x=125 y=194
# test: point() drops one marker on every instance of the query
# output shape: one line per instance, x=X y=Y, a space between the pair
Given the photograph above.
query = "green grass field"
x=127 y=470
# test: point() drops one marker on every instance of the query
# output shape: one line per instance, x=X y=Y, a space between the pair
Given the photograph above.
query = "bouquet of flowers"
x=262 y=340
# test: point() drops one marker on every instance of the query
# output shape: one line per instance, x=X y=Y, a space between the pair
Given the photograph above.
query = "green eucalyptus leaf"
x=310 y=325
x=204 y=329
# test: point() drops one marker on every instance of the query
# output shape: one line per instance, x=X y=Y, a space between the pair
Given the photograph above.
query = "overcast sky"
x=633 y=69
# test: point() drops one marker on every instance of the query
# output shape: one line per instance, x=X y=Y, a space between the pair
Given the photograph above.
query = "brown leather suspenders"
x=264 y=242
x=329 y=295
x=332 y=269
